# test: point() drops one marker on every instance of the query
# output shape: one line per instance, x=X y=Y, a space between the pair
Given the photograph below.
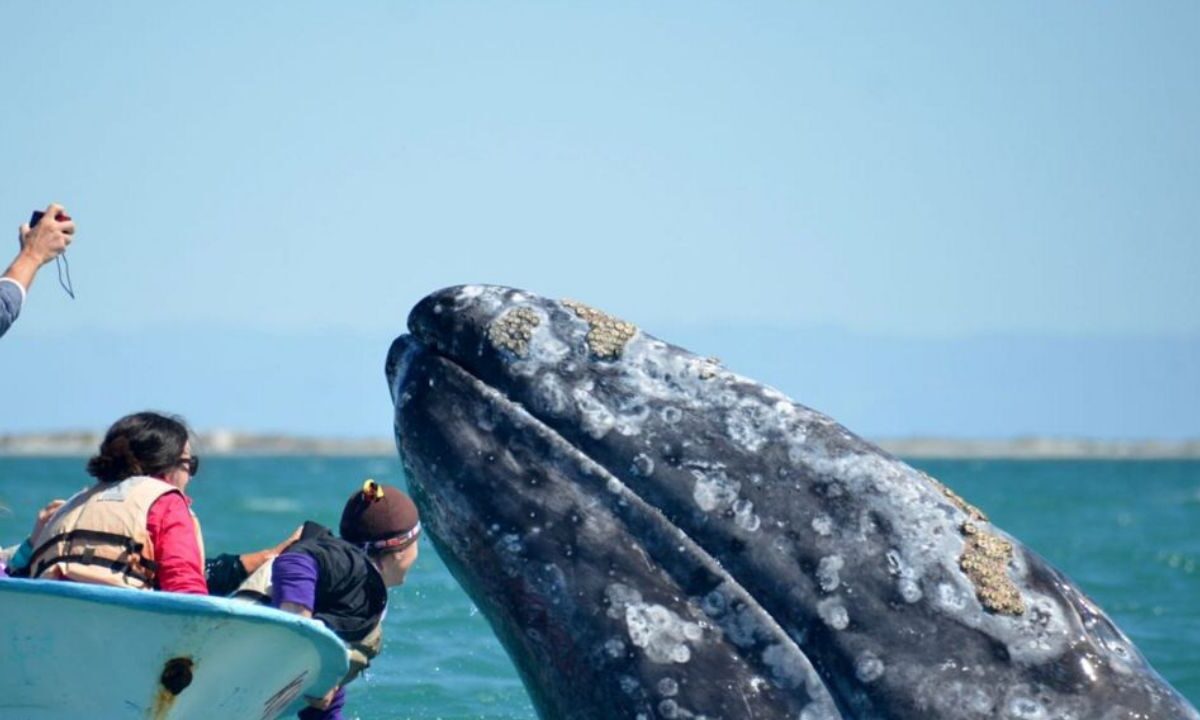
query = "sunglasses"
x=192 y=464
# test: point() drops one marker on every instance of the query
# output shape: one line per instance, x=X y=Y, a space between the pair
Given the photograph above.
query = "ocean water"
x=1125 y=531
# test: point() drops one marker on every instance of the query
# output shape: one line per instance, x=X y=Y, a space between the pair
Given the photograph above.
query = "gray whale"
x=653 y=536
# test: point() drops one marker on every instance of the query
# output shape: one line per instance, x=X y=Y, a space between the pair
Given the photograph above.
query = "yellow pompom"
x=372 y=490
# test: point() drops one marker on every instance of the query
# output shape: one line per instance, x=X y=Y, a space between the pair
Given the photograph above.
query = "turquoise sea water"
x=1125 y=531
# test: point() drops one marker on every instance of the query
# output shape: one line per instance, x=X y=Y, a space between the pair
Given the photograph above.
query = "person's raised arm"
x=40 y=245
x=226 y=572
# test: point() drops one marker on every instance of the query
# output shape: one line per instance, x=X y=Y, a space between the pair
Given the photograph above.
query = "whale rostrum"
x=651 y=535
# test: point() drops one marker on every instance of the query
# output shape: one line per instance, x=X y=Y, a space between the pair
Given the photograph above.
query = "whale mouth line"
x=516 y=409
x=609 y=483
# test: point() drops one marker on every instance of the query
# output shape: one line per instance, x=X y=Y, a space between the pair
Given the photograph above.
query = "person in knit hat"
x=380 y=518
x=343 y=581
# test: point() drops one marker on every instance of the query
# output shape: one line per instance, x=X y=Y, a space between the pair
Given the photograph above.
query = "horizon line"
x=230 y=443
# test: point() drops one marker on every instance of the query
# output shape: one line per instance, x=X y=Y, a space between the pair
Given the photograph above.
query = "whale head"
x=652 y=535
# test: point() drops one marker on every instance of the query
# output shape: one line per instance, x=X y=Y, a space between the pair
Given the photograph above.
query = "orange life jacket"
x=100 y=536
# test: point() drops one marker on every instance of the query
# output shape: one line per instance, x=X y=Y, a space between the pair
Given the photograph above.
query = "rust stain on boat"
x=175 y=678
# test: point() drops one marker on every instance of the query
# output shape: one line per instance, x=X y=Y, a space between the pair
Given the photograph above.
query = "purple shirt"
x=294 y=580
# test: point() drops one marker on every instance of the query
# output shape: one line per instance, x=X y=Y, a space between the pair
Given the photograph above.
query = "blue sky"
x=263 y=192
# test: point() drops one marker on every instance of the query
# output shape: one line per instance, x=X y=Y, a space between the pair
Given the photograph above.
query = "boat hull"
x=69 y=650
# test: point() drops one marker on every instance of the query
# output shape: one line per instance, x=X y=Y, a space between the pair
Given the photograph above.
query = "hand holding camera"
x=47 y=235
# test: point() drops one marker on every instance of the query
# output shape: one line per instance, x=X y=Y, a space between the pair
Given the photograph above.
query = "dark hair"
x=145 y=443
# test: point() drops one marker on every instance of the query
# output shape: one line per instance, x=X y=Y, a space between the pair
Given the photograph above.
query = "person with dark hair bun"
x=139 y=447
x=134 y=528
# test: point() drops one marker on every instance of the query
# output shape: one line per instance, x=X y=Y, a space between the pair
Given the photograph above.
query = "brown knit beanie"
x=380 y=518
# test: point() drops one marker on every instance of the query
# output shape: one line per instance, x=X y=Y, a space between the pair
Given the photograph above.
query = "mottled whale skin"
x=653 y=536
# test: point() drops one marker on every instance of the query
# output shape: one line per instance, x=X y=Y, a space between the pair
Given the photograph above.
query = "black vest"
x=351 y=596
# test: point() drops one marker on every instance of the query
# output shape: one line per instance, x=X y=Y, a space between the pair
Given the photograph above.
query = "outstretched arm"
x=226 y=572
x=40 y=245
x=17 y=558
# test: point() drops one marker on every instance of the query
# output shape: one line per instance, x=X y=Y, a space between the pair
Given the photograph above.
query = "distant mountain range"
x=224 y=442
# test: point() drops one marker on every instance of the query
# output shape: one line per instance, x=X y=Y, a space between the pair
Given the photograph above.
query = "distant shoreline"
x=227 y=443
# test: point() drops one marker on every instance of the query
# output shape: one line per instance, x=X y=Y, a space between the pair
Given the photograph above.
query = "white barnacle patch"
x=822 y=525
x=910 y=590
x=658 y=631
x=979 y=702
x=833 y=613
x=620 y=596
x=547 y=349
x=1042 y=633
x=739 y=621
x=614 y=648
x=629 y=423
x=667 y=687
x=549 y=395
x=661 y=633
x=956 y=698
x=467 y=293
x=801 y=453
x=487 y=298
x=868 y=667
x=827 y=572
x=1022 y=707
x=744 y=516
x=906 y=583
x=714 y=489
x=704 y=368
x=642 y=465
x=725 y=398
x=950 y=598
x=671 y=414
x=596 y=419
x=745 y=424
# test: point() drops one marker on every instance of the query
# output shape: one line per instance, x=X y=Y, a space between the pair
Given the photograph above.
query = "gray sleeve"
x=10 y=304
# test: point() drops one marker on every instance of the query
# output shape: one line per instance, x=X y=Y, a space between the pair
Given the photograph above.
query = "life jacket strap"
x=95 y=535
x=117 y=566
x=136 y=567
